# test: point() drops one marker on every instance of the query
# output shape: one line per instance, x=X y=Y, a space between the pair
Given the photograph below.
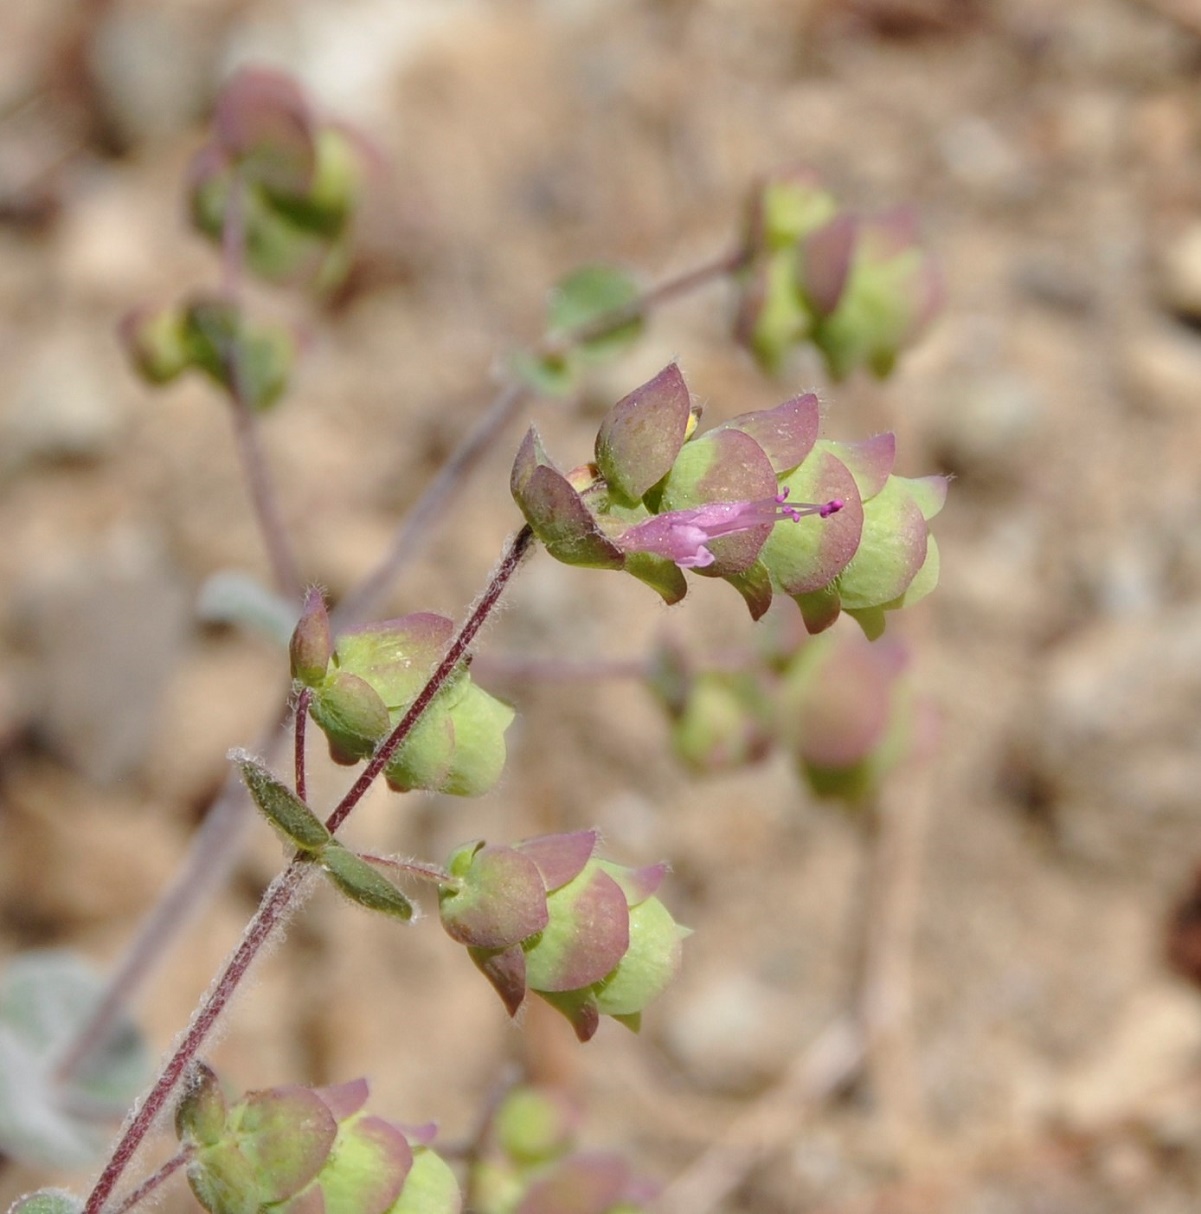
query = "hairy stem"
x=412 y=868
x=152 y=1182
x=282 y=892
x=218 y=841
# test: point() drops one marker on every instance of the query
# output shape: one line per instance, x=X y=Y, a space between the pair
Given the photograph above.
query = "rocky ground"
x=1051 y=1062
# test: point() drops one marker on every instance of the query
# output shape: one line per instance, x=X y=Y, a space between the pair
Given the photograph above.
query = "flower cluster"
x=841 y=706
x=364 y=682
x=586 y=935
x=298 y=1150
x=858 y=287
x=530 y=1164
x=296 y=179
x=760 y=501
x=251 y=360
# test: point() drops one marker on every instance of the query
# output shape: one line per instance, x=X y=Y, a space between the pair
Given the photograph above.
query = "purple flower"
x=682 y=535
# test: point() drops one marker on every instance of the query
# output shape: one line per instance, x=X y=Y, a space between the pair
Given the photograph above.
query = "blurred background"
x=1051 y=1058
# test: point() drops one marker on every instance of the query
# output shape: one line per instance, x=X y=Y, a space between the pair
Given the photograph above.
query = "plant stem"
x=153 y=1181
x=412 y=868
x=284 y=568
x=282 y=892
x=216 y=843
x=417 y=526
x=271 y=910
x=301 y=719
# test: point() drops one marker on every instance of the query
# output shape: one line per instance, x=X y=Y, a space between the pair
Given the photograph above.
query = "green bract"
x=731 y=503
x=531 y=1165
x=365 y=682
x=838 y=704
x=859 y=288
x=586 y=935
x=250 y=360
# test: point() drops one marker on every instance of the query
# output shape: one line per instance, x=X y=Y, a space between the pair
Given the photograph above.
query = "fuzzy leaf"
x=560 y=858
x=363 y=884
x=47 y=1201
x=282 y=807
x=806 y=556
x=786 y=433
x=429 y=1188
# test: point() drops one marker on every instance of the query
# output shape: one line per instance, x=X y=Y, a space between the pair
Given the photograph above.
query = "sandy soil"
x=1051 y=1059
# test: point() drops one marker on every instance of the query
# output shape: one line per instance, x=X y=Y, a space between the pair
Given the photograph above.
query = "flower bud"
x=846 y=712
x=859 y=288
x=736 y=503
x=311 y=646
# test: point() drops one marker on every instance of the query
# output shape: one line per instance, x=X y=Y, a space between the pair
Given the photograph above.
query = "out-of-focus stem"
x=417 y=526
x=284 y=568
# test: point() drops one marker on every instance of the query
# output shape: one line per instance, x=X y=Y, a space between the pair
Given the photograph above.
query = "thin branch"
x=417 y=526
x=215 y=846
x=152 y=1182
x=281 y=895
x=284 y=567
x=827 y=1064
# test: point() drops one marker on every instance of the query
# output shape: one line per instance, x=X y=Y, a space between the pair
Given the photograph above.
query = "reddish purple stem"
x=282 y=891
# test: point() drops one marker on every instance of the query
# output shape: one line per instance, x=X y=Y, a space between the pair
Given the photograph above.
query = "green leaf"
x=585 y=299
x=363 y=884
x=46 y=998
x=550 y=374
x=47 y=1201
x=282 y=807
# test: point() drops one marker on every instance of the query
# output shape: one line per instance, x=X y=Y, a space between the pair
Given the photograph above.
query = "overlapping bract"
x=841 y=707
x=298 y=1150
x=530 y=1164
x=252 y=360
x=859 y=288
x=297 y=180
x=731 y=502
x=366 y=680
x=586 y=935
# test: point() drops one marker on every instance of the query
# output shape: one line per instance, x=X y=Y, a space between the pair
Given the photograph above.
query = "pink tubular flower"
x=682 y=535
